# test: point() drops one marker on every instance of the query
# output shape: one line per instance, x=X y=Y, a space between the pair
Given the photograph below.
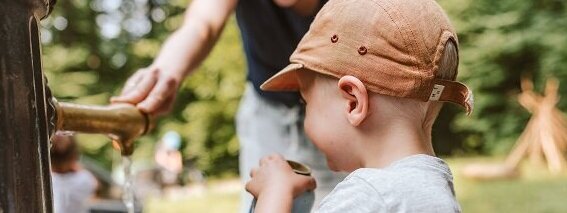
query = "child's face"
x=325 y=123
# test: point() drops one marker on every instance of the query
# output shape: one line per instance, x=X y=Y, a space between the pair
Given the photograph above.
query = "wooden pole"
x=25 y=184
x=546 y=130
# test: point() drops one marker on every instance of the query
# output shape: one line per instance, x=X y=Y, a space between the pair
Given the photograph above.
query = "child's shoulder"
x=355 y=193
x=406 y=174
x=413 y=181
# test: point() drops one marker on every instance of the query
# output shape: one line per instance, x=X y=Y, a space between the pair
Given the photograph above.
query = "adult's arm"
x=153 y=89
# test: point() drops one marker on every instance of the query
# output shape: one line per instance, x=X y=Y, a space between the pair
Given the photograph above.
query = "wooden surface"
x=25 y=184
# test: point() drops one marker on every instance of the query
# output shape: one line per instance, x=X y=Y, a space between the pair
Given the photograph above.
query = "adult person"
x=267 y=122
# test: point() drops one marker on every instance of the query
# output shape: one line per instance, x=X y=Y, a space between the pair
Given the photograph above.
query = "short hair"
x=63 y=149
x=449 y=62
x=447 y=70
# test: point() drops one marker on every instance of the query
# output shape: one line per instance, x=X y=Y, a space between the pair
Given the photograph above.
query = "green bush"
x=85 y=66
x=500 y=41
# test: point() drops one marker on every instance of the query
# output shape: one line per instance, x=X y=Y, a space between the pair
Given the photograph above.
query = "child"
x=374 y=75
x=73 y=186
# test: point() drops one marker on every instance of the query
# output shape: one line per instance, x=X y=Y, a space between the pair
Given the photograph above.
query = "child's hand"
x=276 y=178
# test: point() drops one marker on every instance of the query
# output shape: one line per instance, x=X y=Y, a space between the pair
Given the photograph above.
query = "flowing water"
x=127 y=189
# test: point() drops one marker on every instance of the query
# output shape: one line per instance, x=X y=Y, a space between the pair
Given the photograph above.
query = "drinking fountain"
x=29 y=114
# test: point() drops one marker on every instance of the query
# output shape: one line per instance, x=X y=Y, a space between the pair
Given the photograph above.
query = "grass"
x=215 y=202
x=219 y=196
x=535 y=191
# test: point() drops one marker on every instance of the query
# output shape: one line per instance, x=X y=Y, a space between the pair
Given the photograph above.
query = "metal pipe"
x=123 y=123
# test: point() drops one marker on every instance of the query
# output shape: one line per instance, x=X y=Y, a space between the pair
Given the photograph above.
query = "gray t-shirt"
x=418 y=183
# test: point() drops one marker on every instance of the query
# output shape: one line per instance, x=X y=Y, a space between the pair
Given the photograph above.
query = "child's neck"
x=392 y=142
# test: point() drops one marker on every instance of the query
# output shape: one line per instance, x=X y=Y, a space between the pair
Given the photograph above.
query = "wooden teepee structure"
x=544 y=139
x=546 y=132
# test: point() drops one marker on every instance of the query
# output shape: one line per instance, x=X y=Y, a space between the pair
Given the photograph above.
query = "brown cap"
x=392 y=46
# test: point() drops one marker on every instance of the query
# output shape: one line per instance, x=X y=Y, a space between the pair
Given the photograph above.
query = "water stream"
x=127 y=189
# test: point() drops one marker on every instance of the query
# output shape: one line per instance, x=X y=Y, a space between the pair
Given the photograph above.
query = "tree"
x=91 y=47
x=499 y=42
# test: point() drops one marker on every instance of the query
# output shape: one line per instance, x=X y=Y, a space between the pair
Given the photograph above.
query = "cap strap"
x=454 y=92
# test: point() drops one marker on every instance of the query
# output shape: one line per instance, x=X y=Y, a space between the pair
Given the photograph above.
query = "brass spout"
x=123 y=123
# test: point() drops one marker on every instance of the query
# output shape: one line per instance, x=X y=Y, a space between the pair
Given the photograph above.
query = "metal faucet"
x=123 y=123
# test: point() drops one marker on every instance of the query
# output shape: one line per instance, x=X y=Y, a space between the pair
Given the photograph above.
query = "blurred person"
x=266 y=122
x=73 y=186
x=168 y=159
x=374 y=76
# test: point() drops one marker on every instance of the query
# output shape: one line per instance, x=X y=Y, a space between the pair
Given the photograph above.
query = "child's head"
x=64 y=153
x=372 y=66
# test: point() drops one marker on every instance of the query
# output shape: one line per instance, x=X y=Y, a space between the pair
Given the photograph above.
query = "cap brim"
x=284 y=80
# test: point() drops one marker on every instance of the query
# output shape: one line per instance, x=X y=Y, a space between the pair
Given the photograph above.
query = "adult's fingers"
x=133 y=81
x=165 y=87
x=166 y=106
x=136 y=92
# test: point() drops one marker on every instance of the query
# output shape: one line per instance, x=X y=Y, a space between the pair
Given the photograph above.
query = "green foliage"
x=500 y=41
x=85 y=66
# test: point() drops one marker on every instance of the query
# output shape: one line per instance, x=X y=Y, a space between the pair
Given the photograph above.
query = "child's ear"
x=356 y=97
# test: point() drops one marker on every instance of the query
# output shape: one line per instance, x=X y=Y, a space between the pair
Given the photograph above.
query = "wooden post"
x=25 y=183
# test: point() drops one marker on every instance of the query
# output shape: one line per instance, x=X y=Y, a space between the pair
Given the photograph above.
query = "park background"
x=91 y=47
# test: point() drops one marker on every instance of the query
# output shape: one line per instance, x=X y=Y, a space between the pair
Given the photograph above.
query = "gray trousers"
x=265 y=127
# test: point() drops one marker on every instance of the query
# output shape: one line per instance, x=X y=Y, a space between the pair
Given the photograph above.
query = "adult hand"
x=276 y=178
x=151 y=89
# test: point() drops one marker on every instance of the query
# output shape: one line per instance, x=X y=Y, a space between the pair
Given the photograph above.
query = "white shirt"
x=71 y=191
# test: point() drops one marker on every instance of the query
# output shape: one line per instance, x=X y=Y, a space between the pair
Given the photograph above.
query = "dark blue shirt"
x=269 y=36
